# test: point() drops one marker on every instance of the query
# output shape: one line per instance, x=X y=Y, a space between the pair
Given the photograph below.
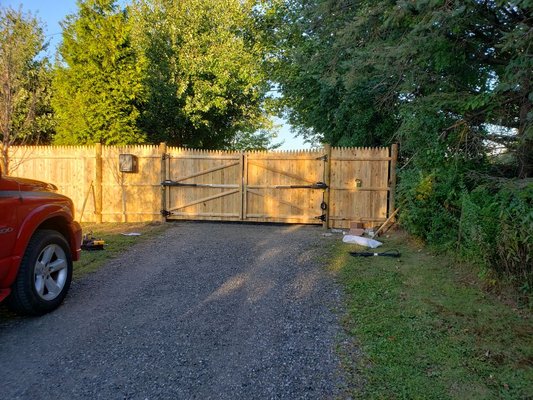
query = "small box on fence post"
x=127 y=163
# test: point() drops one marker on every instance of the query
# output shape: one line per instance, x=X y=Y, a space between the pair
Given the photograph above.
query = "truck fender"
x=34 y=219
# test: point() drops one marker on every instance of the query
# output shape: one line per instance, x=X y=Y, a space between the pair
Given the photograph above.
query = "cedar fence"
x=331 y=186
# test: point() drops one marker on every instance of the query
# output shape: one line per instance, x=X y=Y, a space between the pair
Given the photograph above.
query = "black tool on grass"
x=389 y=253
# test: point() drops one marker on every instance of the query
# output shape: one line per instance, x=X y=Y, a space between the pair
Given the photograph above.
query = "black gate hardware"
x=391 y=253
x=211 y=185
x=173 y=183
x=165 y=213
x=318 y=185
x=321 y=217
x=165 y=156
x=323 y=158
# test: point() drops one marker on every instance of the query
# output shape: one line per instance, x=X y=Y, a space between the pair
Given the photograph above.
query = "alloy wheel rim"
x=50 y=272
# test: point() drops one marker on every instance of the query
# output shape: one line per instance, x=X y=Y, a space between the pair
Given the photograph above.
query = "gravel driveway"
x=206 y=311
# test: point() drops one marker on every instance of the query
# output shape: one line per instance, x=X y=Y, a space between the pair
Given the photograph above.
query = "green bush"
x=490 y=226
x=496 y=231
x=431 y=206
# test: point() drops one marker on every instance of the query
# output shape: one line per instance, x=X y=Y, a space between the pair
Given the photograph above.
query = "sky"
x=51 y=12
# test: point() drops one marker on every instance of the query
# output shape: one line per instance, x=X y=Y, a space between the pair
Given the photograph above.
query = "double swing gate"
x=330 y=186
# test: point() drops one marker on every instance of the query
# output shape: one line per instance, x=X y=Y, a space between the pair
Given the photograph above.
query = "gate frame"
x=241 y=159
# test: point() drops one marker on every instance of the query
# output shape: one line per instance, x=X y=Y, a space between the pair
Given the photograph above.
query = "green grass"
x=428 y=330
x=116 y=243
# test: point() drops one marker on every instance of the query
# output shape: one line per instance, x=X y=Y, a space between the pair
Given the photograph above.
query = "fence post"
x=98 y=183
x=241 y=186
x=163 y=177
x=244 y=198
x=327 y=177
x=392 y=177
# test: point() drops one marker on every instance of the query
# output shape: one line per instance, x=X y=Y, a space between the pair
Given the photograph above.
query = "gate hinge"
x=165 y=213
x=323 y=158
x=321 y=217
x=165 y=156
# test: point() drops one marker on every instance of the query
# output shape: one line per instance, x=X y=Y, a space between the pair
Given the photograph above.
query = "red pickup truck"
x=39 y=240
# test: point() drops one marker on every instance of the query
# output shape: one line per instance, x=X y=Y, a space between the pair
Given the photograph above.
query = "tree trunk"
x=525 y=135
x=4 y=160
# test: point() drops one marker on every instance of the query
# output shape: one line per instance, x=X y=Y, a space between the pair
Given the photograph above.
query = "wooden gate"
x=284 y=187
x=334 y=186
x=203 y=185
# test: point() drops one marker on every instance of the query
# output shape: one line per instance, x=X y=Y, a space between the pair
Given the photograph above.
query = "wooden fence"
x=337 y=185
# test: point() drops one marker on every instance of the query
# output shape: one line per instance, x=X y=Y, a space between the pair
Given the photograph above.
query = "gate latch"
x=165 y=213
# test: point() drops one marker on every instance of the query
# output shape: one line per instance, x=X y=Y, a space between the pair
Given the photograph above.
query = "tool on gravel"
x=389 y=253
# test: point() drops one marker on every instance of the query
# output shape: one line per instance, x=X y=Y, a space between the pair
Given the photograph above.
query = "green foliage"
x=497 y=228
x=184 y=72
x=24 y=82
x=97 y=84
x=202 y=71
x=258 y=140
x=322 y=96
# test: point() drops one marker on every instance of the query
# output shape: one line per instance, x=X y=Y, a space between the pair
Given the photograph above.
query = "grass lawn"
x=428 y=330
x=116 y=243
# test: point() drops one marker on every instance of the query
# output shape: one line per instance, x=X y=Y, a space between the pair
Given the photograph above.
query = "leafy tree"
x=257 y=140
x=25 y=115
x=202 y=71
x=312 y=74
x=426 y=72
x=98 y=90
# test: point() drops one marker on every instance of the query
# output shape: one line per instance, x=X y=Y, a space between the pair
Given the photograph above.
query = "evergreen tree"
x=428 y=73
x=98 y=91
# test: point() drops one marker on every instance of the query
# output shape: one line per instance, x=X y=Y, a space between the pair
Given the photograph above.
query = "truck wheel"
x=44 y=275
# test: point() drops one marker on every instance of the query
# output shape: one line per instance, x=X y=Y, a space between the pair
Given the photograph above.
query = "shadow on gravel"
x=207 y=311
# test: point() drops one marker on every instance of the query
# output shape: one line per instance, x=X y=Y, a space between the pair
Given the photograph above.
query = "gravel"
x=205 y=311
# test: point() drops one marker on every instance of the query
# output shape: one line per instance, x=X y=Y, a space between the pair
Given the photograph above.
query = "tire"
x=44 y=274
